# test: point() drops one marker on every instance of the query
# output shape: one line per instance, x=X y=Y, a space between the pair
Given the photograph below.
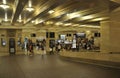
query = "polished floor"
x=51 y=66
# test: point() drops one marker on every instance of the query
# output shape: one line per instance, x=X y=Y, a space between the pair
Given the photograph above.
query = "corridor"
x=51 y=66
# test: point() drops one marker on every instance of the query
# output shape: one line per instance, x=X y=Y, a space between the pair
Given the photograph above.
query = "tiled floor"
x=51 y=66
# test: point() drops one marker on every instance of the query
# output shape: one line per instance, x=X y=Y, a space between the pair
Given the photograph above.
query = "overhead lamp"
x=6 y=17
x=99 y=19
x=38 y=21
x=89 y=26
x=4 y=6
x=30 y=9
x=73 y=15
x=82 y=25
x=51 y=11
x=41 y=21
x=87 y=17
x=33 y=21
x=20 y=18
x=49 y=22
x=58 y=23
x=67 y=24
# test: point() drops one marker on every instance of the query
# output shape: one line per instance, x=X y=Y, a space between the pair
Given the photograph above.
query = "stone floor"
x=51 y=66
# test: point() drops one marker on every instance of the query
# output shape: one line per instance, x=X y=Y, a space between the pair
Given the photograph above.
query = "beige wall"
x=110 y=38
x=93 y=56
x=110 y=42
x=105 y=36
x=6 y=38
x=3 y=48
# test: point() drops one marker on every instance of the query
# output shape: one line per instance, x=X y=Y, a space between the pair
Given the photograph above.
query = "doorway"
x=12 y=48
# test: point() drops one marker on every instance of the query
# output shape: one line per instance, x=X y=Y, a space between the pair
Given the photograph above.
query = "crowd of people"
x=81 y=44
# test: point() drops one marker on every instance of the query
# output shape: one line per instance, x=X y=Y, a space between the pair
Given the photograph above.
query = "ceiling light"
x=30 y=9
x=99 y=19
x=30 y=3
x=67 y=24
x=82 y=25
x=4 y=1
x=87 y=17
x=91 y=26
x=49 y=22
x=88 y=32
x=58 y=23
x=51 y=11
x=4 y=6
x=36 y=21
x=73 y=15
x=33 y=21
x=41 y=21
x=20 y=18
x=6 y=17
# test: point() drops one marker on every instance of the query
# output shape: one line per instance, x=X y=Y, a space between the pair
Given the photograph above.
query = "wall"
x=110 y=39
x=93 y=56
x=4 y=34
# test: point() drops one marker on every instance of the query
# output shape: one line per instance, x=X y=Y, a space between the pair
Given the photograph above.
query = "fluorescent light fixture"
x=51 y=11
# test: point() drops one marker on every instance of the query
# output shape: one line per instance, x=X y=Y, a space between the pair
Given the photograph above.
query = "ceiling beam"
x=41 y=9
x=19 y=8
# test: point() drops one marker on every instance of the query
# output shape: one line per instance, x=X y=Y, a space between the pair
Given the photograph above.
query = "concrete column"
x=105 y=36
x=110 y=34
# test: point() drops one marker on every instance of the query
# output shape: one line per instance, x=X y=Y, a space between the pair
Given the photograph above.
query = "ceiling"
x=64 y=13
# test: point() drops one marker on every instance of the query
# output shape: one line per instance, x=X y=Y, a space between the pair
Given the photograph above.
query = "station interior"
x=77 y=30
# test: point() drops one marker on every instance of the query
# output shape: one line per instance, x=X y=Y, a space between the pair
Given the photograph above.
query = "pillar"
x=110 y=34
